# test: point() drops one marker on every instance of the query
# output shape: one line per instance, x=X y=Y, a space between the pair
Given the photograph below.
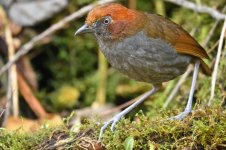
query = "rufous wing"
x=187 y=45
x=175 y=35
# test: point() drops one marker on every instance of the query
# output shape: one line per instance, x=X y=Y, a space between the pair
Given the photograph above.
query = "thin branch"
x=213 y=47
x=12 y=88
x=28 y=46
x=29 y=97
x=199 y=8
x=214 y=75
x=102 y=79
x=160 y=7
x=211 y=32
x=12 y=73
x=133 y=4
x=1 y=111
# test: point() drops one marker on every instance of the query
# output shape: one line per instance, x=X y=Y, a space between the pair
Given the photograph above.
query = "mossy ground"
x=21 y=140
x=203 y=129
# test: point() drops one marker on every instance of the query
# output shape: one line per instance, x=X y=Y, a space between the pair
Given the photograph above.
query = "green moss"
x=22 y=140
x=73 y=61
x=205 y=129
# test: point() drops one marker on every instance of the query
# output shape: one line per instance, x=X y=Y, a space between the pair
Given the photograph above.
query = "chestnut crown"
x=115 y=11
x=113 y=21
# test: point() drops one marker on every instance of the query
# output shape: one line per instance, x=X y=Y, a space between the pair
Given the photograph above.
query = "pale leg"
x=118 y=116
x=188 y=107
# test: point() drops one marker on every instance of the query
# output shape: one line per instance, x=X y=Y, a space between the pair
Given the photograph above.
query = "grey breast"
x=145 y=59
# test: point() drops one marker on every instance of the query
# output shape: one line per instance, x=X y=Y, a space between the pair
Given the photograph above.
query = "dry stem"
x=214 y=74
x=199 y=8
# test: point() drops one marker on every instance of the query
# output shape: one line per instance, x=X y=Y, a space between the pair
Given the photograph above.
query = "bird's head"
x=112 y=21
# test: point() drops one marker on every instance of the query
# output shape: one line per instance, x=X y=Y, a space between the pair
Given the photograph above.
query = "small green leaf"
x=129 y=143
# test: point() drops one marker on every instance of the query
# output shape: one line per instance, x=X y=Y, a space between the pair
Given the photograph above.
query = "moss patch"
x=22 y=140
x=203 y=129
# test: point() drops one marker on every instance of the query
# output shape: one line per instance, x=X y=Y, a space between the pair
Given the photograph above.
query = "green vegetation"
x=204 y=129
x=69 y=66
x=21 y=140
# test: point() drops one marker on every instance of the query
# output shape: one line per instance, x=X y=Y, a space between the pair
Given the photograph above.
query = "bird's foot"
x=181 y=116
x=112 y=121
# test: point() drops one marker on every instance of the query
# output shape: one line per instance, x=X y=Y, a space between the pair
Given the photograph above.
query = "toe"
x=180 y=116
x=103 y=128
x=112 y=126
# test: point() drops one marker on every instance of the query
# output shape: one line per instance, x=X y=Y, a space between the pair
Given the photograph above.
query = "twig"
x=29 y=45
x=160 y=7
x=29 y=97
x=199 y=8
x=213 y=47
x=12 y=74
x=1 y=111
x=12 y=89
x=214 y=74
x=102 y=74
x=133 y=4
x=211 y=32
x=7 y=110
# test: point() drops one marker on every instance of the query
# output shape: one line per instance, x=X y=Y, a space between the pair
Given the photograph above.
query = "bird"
x=145 y=47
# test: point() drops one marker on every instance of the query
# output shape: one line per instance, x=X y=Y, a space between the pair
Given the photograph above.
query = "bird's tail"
x=205 y=68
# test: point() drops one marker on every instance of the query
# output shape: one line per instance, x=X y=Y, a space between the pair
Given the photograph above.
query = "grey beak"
x=83 y=29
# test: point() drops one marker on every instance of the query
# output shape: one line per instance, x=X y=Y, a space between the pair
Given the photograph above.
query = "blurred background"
x=63 y=73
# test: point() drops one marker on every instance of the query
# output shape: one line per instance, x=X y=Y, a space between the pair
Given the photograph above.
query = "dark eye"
x=107 y=20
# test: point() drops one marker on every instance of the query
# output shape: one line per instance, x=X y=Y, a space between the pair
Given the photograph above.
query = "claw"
x=112 y=121
x=112 y=126
x=115 y=120
x=117 y=117
x=103 y=128
x=102 y=131
x=180 y=116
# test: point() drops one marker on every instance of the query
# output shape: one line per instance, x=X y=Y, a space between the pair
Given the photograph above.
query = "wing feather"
x=187 y=45
x=175 y=35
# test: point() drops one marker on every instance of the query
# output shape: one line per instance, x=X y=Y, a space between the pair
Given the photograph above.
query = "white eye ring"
x=107 y=20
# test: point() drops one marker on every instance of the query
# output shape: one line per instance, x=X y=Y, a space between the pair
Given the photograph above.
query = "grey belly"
x=146 y=59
